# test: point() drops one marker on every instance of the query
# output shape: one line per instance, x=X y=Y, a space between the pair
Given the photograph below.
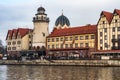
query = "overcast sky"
x=19 y=13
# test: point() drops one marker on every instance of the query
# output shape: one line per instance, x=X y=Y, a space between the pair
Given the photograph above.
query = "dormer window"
x=116 y=20
x=103 y=22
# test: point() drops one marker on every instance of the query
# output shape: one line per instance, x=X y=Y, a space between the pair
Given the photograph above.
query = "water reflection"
x=3 y=72
x=59 y=73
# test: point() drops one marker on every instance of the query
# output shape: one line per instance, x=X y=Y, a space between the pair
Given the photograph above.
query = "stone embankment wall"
x=63 y=62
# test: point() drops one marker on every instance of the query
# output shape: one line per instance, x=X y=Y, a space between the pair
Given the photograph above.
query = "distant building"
x=69 y=41
x=18 y=40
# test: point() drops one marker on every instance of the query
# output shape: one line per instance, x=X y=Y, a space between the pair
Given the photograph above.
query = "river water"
x=58 y=73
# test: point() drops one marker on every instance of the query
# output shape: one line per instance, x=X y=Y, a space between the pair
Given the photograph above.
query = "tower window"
x=43 y=34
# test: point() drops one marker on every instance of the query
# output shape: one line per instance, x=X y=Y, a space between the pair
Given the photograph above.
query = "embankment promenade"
x=97 y=63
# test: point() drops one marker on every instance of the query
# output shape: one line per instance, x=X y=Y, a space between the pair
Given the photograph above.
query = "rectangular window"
x=100 y=48
x=76 y=45
x=81 y=44
x=119 y=36
x=48 y=40
x=57 y=39
x=113 y=36
x=52 y=39
x=106 y=45
x=100 y=33
x=116 y=20
x=71 y=46
x=52 y=46
x=43 y=34
x=118 y=28
x=48 y=46
x=101 y=41
x=86 y=44
x=18 y=42
x=13 y=42
x=9 y=43
x=105 y=30
x=113 y=29
x=81 y=37
x=9 y=48
x=61 y=45
x=76 y=37
x=92 y=37
x=105 y=37
x=71 y=38
x=86 y=37
x=103 y=22
x=66 y=38
x=61 y=39
x=57 y=45
x=66 y=45
x=13 y=48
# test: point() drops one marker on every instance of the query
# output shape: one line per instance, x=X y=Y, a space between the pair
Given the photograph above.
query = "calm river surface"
x=58 y=73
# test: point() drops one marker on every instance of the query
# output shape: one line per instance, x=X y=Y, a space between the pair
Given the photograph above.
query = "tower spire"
x=62 y=11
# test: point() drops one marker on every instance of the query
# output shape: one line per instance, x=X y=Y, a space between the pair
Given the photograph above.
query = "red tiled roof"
x=88 y=29
x=117 y=11
x=108 y=15
x=22 y=31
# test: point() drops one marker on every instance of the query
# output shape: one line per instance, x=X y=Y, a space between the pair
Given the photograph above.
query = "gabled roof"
x=88 y=29
x=22 y=31
x=108 y=15
x=117 y=11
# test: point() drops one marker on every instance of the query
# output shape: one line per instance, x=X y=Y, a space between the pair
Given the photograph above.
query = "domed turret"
x=41 y=10
x=62 y=21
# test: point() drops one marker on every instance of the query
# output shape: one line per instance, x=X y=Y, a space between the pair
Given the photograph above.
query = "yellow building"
x=109 y=30
x=18 y=40
x=71 y=41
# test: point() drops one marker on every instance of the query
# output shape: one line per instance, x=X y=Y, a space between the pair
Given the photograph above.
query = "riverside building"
x=101 y=40
x=108 y=29
x=66 y=41
x=24 y=39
